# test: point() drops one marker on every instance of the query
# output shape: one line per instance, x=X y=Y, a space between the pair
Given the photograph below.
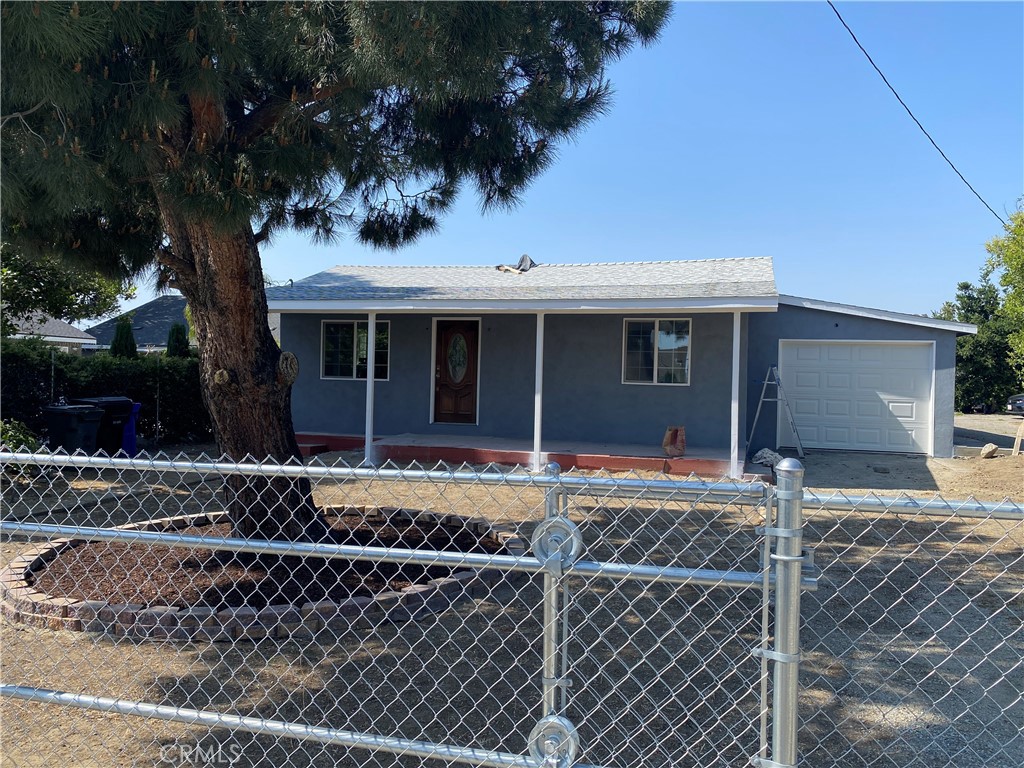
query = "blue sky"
x=759 y=129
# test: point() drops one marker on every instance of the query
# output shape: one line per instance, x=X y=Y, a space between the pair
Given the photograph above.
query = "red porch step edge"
x=311 y=445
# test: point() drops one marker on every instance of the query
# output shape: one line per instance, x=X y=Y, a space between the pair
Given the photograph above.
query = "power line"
x=912 y=117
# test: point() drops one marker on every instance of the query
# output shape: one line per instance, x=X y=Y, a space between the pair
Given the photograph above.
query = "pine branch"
x=263 y=118
x=21 y=115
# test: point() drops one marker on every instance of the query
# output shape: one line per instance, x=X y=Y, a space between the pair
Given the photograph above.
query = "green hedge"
x=25 y=377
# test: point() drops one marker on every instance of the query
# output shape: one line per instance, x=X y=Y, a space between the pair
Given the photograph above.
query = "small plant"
x=15 y=435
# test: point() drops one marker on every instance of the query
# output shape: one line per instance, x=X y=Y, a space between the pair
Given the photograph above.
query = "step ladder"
x=771 y=379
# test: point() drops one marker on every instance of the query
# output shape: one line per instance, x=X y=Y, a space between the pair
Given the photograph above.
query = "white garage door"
x=858 y=396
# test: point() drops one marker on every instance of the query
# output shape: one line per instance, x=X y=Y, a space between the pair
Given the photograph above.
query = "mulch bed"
x=179 y=577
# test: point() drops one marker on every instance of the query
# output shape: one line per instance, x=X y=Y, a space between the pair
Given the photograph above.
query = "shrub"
x=15 y=435
x=25 y=379
x=25 y=369
x=177 y=341
x=123 y=344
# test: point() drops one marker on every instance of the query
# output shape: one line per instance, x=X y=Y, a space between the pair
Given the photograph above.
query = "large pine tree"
x=192 y=131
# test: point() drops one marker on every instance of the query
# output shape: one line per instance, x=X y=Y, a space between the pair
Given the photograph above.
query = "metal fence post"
x=788 y=559
x=551 y=639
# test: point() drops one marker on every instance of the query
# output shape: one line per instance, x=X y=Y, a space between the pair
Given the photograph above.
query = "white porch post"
x=538 y=391
x=371 y=350
x=735 y=465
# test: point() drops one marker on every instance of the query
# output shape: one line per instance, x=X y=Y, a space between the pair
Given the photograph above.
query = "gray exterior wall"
x=584 y=397
x=402 y=403
x=766 y=329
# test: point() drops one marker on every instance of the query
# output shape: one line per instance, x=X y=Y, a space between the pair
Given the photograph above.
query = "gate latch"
x=553 y=742
x=557 y=542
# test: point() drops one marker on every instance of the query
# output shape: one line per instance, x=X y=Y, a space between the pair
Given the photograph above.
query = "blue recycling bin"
x=129 y=444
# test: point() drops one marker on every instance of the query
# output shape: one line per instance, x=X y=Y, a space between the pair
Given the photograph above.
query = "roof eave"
x=55 y=339
x=565 y=306
x=961 y=329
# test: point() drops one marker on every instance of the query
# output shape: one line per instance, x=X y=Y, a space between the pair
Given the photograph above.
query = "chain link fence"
x=484 y=617
x=913 y=642
x=494 y=617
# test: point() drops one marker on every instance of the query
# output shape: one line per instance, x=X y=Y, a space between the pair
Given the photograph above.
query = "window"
x=656 y=352
x=345 y=351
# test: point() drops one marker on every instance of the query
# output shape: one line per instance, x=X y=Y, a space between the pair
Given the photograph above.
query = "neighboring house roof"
x=151 y=322
x=879 y=314
x=747 y=283
x=51 y=329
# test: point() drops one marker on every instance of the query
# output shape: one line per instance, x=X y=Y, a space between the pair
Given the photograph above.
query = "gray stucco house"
x=598 y=359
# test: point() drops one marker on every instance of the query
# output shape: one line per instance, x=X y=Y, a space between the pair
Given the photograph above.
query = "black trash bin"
x=116 y=413
x=73 y=427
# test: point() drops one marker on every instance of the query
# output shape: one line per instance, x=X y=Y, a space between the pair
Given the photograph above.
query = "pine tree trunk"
x=245 y=383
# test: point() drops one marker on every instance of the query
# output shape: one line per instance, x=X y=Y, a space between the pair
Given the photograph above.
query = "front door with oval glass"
x=455 y=371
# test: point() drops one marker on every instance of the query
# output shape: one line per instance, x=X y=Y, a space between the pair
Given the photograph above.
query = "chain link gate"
x=625 y=622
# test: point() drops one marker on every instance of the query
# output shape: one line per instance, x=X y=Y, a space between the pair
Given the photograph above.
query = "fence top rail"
x=744 y=492
x=836 y=501
x=710 y=577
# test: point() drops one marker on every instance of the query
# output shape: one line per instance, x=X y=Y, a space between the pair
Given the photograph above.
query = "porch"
x=455 y=449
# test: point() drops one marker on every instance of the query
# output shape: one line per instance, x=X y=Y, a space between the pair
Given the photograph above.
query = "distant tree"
x=1006 y=258
x=51 y=286
x=177 y=341
x=123 y=344
x=984 y=376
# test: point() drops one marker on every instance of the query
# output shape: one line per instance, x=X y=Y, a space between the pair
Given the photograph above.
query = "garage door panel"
x=838 y=380
x=869 y=354
x=914 y=356
x=903 y=410
x=901 y=438
x=837 y=408
x=867 y=396
x=836 y=434
x=901 y=383
x=808 y=380
x=870 y=437
x=870 y=382
x=805 y=407
x=869 y=409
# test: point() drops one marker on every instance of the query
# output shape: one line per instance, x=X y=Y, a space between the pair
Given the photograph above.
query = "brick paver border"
x=21 y=603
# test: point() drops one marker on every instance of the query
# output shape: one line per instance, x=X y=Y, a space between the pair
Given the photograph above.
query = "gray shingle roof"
x=49 y=327
x=151 y=322
x=636 y=280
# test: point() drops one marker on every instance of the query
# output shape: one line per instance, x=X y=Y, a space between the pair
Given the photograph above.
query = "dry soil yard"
x=913 y=646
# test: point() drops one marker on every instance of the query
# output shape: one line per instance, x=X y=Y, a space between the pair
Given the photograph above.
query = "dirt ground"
x=958 y=478
x=857 y=473
x=912 y=647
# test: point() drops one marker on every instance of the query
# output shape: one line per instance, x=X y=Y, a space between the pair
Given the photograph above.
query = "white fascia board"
x=878 y=314
x=718 y=304
x=56 y=339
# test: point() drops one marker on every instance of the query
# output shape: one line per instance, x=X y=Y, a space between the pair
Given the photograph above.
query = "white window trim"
x=655 y=320
x=355 y=322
